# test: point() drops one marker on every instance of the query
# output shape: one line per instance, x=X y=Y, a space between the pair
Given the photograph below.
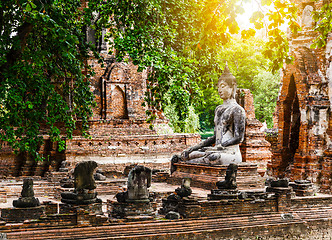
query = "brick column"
x=283 y=197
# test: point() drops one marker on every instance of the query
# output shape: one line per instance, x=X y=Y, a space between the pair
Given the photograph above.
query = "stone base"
x=95 y=208
x=205 y=176
x=302 y=188
x=26 y=202
x=80 y=198
x=219 y=194
x=132 y=211
x=21 y=214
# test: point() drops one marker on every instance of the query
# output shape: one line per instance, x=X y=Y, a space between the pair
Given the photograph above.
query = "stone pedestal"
x=81 y=198
x=283 y=195
x=189 y=207
x=132 y=211
x=302 y=188
x=95 y=208
x=219 y=194
x=25 y=202
x=205 y=176
x=21 y=214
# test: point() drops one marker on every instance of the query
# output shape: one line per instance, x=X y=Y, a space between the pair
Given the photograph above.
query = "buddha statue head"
x=227 y=85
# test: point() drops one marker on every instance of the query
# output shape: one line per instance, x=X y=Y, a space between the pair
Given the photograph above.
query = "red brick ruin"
x=119 y=129
x=303 y=149
x=120 y=136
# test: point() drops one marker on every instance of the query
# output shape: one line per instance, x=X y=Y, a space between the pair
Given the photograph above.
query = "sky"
x=243 y=19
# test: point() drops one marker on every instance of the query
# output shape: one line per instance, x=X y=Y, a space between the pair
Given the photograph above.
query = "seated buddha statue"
x=229 y=119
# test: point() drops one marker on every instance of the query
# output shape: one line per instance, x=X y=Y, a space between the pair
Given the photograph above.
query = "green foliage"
x=42 y=54
x=192 y=121
x=272 y=16
x=177 y=40
x=323 y=17
x=265 y=97
x=189 y=125
x=251 y=68
x=170 y=113
x=207 y=133
x=245 y=59
x=209 y=102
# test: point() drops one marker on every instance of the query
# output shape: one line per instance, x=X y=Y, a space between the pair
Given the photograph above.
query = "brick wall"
x=254 y=148
x=303 y=110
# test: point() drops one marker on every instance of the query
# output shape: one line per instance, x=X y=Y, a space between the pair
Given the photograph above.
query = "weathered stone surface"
x=83 y=175
x=206 y=176
x=84 y=184
x=139 y=180
x=124 y=210
x=22 y=214
x=172 y=215
x=230 y=178
x=27 y=199
x=99 y=176
x=304 y=114
x=280 y=183
x=223 y=147
x=184 y=190
x=254 y=148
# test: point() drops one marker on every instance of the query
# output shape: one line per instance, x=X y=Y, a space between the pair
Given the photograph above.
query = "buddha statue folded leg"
x=196 y=154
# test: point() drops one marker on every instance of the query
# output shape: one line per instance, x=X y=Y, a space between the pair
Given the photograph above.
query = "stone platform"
x=21 y=214
x=134 y=211
x=306 y=225
x=205 y=176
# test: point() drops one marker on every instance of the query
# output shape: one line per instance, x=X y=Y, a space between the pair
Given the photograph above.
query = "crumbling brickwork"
x=304 y=107
x=254 y=148
x=118 y=126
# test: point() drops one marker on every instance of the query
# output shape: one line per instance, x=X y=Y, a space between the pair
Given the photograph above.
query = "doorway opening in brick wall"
x=119 y=104
x=291 y=128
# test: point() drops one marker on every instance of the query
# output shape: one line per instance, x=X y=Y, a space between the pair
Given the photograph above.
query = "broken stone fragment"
x=27 y=198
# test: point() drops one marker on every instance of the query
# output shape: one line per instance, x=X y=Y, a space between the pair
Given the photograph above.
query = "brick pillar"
x=190 y=208
x=283 y=197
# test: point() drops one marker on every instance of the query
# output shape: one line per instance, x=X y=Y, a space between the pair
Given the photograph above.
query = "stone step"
x=148 y=230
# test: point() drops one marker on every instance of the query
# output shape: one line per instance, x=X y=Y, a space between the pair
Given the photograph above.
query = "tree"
x=177 y=40
x=248 y=64
x=265 y=97
x=43 y=71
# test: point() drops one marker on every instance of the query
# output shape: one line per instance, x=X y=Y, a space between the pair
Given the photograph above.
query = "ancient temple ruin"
x=303 y=148
x=118 y=128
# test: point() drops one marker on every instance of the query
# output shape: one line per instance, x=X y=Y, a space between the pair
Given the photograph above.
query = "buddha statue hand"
x=185 y=154
x=220 y=147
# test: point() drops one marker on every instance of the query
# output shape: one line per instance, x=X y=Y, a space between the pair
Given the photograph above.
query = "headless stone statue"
x=230 y=178
x=139 y=180
x=83 y=174
x=27 y=198
x=84 y=184
x=184 y=190
x=223 y=147
x=307 y=20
